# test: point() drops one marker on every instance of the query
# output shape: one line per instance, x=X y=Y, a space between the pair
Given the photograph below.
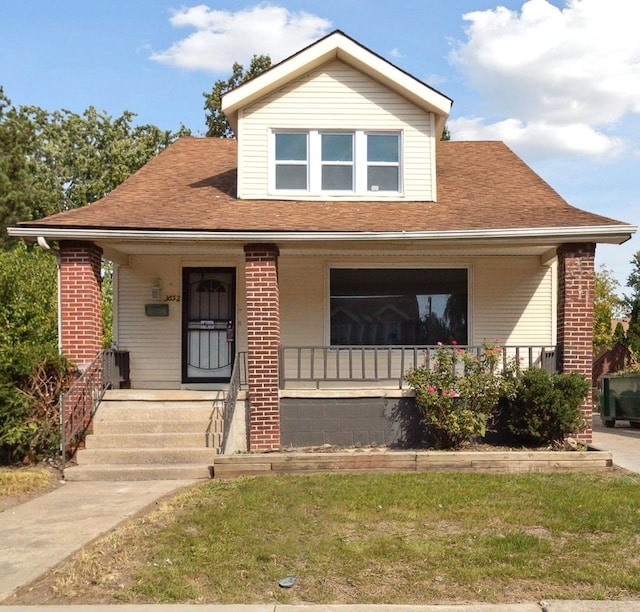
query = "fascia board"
x=609 y=234
x=336 y=46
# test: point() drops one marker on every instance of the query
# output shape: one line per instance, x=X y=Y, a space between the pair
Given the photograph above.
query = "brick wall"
x=80 y=301
x=263 y=344
x=576 y=280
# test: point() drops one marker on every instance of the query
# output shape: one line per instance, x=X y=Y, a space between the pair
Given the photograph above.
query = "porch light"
x=156 y=288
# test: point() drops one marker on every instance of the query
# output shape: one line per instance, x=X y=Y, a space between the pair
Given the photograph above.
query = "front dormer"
x=336 y=122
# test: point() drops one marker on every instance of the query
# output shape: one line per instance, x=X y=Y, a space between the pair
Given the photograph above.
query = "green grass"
x=375 y=538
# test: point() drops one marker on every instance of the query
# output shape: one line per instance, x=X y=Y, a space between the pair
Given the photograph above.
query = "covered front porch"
x=301 y=324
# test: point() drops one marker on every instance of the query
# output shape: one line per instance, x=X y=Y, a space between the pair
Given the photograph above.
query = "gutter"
x=614 y=234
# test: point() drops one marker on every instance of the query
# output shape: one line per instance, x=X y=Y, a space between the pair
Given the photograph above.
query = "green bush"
x=458 y=394
x=31 y=380
x=546 y=408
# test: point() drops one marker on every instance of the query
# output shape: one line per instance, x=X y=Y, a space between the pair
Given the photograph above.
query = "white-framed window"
x=383 y=162
x=291 y=161
x=336 y=162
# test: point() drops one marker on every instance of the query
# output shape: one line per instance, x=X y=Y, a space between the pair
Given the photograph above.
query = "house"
x=316 y=255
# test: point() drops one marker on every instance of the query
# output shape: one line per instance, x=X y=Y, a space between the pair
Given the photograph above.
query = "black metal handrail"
x=237 y=382
x=380 y=364
x=109 y=369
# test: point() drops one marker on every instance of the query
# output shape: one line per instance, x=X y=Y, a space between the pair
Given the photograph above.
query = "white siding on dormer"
x=336 y=96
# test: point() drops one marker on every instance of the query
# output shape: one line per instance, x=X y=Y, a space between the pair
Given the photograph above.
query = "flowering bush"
x=458 y=393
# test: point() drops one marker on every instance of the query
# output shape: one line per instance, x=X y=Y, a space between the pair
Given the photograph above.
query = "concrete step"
x=188 y=471
x=145 y=456
x=154 y=440
x=160 y=411
x=156 y=427
x=159 y=395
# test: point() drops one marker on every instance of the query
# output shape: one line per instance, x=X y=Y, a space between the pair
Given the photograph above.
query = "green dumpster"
x=620 y=399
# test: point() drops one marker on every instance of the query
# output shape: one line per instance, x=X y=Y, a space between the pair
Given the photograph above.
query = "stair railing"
x=80 y=402
x=236 y=382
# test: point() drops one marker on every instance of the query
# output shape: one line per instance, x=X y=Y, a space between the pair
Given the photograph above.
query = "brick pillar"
x=263 y=344
x=80 y=301
x=576 y=280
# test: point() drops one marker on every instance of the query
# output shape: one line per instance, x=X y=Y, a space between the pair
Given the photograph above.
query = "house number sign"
x=171 y=298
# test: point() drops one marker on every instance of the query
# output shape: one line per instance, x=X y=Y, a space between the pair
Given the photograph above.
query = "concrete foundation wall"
x=366 y=421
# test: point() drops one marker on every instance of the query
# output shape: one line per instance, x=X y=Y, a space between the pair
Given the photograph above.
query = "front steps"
x=152 y=435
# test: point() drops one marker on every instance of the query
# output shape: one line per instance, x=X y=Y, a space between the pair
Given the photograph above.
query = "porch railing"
x=237 y=382
x=108 y=370
x=385 y=364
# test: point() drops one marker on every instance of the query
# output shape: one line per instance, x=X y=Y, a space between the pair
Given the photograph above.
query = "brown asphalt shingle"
x=191 y=186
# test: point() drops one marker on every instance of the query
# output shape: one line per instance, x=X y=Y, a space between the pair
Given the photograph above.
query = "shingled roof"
x=191 y=187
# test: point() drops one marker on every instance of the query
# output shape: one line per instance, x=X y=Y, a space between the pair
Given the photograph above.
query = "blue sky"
x=557 y=80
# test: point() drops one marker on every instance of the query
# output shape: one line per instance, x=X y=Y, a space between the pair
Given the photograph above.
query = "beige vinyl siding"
x=153 y=342
x=513 y=301
x=336 y=97
x=302 y=301
x=510 y=298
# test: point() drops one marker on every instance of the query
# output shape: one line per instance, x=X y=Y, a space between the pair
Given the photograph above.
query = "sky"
x=557 y=80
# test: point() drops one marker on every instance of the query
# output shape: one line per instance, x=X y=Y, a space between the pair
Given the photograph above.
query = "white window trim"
x=314 y=165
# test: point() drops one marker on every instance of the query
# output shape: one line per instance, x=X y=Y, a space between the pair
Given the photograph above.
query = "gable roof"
x=485 y=191
x=337 y=45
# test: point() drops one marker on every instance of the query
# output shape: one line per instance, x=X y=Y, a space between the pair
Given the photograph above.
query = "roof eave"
x=604 y=234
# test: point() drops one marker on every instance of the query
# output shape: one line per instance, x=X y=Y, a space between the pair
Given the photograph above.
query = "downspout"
x=45 y=246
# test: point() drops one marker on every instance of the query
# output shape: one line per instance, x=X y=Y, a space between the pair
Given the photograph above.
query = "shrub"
x=458 y=394
x=31 y=381
x=546 y=407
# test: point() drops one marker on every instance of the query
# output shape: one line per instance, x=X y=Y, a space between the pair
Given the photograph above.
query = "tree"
x=606 y=306
x=632 y=303
x=217 y=124
x=446 y=133
x=55 y=161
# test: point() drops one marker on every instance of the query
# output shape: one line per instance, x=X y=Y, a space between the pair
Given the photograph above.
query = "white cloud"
x=395 y=53
x=224 y=37
x=562 y=78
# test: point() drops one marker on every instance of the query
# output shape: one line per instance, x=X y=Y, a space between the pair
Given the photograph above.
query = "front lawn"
x=370 y=538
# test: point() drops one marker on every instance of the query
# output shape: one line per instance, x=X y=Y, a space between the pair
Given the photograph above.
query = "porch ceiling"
x=119 y=250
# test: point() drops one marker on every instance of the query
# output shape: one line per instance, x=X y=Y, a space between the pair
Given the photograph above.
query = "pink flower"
x=454 y=342
x=439 y=343
x=453 y=393
x=431 y=389
x=458 y=350
x=444 y=394
x=521 y=358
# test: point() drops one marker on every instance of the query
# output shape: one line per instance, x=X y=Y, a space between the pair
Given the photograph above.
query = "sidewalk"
x=39 y=534
x=551 y=606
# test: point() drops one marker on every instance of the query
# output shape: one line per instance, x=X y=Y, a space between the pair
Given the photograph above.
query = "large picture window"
x=390 y=306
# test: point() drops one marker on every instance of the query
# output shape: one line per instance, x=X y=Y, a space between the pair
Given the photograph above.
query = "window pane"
x=383 y=148
x=291 y=147
x=398 y=306
x=291 y=177
x=382 y=178
x=337 y=177
x=337 y=147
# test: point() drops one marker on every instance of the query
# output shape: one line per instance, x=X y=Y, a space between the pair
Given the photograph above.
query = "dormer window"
x=291 y=164
x=334 y=163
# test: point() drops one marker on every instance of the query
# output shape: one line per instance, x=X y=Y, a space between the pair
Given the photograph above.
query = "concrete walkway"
x=621 y=440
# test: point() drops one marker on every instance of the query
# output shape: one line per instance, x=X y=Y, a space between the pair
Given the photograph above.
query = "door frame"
x=185 y=322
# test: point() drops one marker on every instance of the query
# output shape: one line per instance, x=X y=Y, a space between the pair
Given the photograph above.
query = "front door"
x=208 y=338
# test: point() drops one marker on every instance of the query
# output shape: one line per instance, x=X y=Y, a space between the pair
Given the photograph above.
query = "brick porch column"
x=576 y=279
x=263 y=344
x=80 y=301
